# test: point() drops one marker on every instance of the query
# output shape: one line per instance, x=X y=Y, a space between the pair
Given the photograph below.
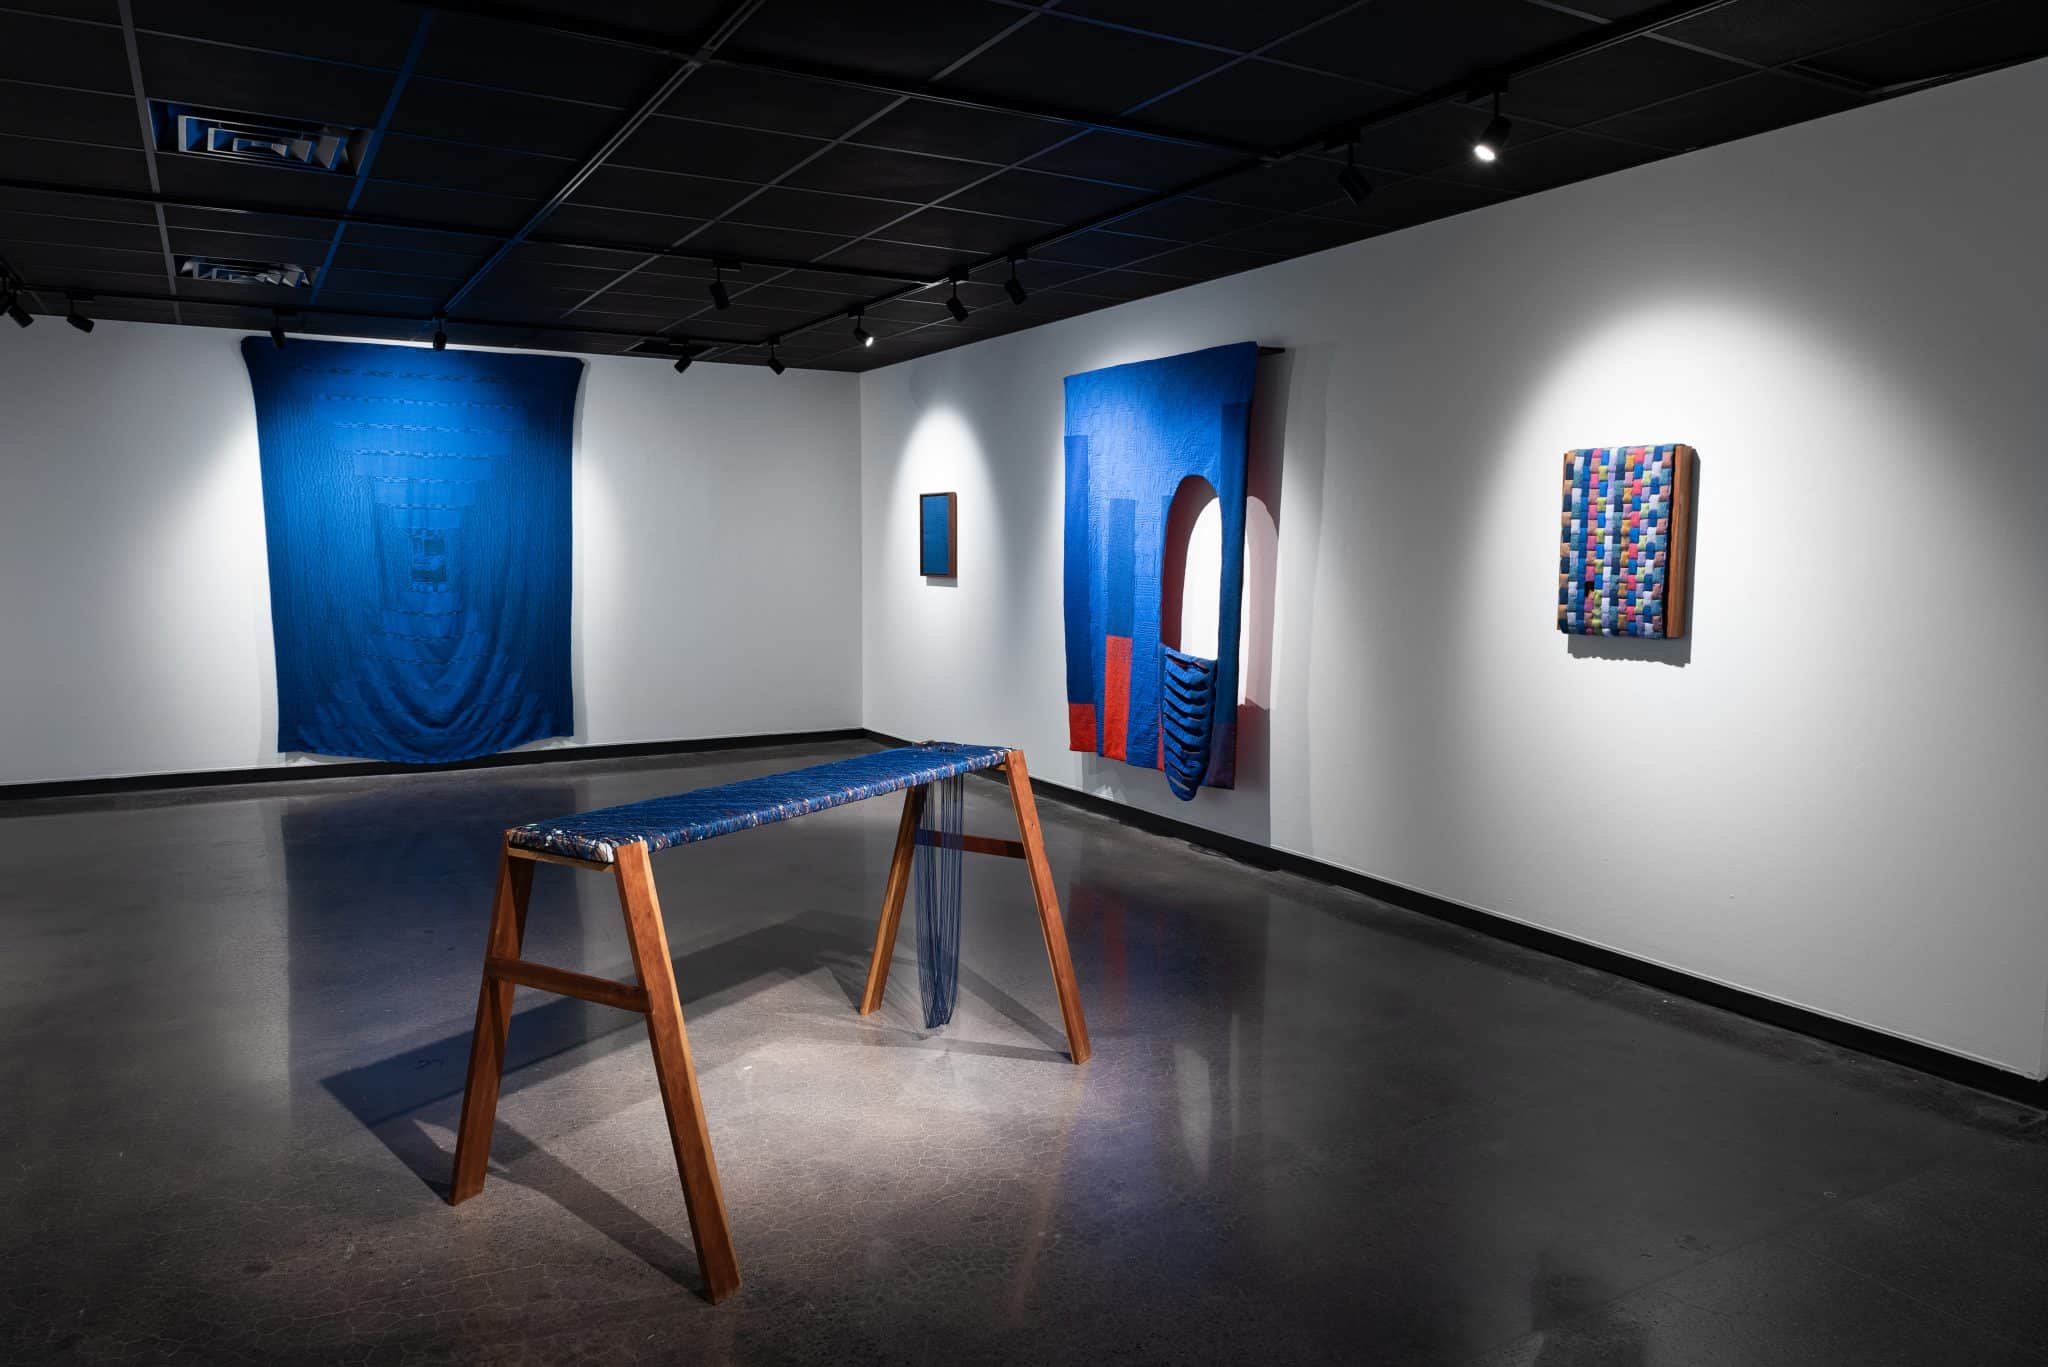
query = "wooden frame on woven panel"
x=1678 y=559
x=1031 y=849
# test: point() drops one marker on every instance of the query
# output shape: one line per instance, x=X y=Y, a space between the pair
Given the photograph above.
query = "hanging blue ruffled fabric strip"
x=1187 y=713
x=938 y=898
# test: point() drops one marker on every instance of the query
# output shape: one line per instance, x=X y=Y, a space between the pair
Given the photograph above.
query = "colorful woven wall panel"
x=1626 y=544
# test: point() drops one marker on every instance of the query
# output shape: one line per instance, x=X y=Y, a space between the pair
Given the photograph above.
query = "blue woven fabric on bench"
x=686 y=817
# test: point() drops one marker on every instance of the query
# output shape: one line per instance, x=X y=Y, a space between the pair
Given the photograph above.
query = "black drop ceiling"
x=568 y=177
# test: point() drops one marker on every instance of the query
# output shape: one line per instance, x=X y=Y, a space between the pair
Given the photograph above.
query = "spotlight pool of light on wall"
x=1661 y=361
x=975 y=612
x=1830 y=481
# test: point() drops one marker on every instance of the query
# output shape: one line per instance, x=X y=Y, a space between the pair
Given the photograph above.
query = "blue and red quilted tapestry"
x=1134 y=434
x=1625 y=541
x=417 y=509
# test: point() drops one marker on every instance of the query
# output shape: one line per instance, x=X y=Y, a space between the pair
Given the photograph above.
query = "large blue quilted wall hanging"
x=1138 y=438
x=417 y=509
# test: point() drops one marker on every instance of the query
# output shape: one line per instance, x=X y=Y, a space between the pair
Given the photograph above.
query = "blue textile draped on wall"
x=417 y=509
x=1134 y=433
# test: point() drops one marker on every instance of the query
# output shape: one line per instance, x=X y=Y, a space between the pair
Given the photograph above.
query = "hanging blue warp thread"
x=939 y=845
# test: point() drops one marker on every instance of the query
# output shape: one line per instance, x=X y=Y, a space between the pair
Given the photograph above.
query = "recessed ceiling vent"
x=228 y=270
x=667 y=348
x=328 y=147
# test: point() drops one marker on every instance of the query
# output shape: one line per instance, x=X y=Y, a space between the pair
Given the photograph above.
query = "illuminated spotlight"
x=1013 y=286
x=954 y=306
x=719 y=298
x=775 y=362
x=1494 y=136
x=1351 y=180
x=860 y=330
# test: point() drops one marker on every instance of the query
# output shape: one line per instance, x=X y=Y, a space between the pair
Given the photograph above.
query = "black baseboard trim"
x=1920 y=1057
x=299 y=773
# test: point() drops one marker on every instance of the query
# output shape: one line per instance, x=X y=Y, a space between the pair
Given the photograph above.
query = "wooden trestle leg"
x=892 y=898
x=676 y=1073
x=1031 y=849
x=493 y=1020
x=1048 y=898
x=655 y=997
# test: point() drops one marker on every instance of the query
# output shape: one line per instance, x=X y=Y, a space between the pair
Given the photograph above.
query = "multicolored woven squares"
x=1622 y=562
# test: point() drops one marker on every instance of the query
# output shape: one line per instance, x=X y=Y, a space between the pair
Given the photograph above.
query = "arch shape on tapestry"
x=1191 y=593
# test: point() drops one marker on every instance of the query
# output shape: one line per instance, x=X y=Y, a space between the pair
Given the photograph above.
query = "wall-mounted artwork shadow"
x=417 y=509
x=1142 y=441
x=1626 y=555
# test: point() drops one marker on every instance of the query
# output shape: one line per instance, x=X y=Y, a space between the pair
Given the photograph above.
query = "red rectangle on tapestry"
x=1116 y=695
x=1081 y=726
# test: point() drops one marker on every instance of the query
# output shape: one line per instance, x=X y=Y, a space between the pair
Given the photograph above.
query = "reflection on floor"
x=1316 y=1129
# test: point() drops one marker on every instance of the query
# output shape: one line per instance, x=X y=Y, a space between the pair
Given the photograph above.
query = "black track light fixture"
x=1493 y=139
x=860 y=330
x=440 y=334
x=277 y=331
x=953 y=304
x=683 y=363
x=17 y=311
x=775 y=362
x=719 y=298
x=1351 y=180
x=1013 y=286
x=74 y=317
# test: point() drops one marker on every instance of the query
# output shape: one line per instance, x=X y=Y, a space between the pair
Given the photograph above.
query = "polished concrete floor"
x=1316 y=1129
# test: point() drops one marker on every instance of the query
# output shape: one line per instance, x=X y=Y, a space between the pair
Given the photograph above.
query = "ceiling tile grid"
x=574 y=178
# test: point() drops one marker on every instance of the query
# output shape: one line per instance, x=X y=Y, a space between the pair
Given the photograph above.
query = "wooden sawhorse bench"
x=619 y=840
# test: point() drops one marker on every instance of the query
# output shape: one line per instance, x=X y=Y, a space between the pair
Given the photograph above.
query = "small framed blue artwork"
x=938 y=534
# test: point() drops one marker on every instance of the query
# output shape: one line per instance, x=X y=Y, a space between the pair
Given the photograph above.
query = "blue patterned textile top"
x=664 y=821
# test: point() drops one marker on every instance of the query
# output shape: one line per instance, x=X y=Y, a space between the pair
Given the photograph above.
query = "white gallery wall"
x=716 y=588
x=1832 y=794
